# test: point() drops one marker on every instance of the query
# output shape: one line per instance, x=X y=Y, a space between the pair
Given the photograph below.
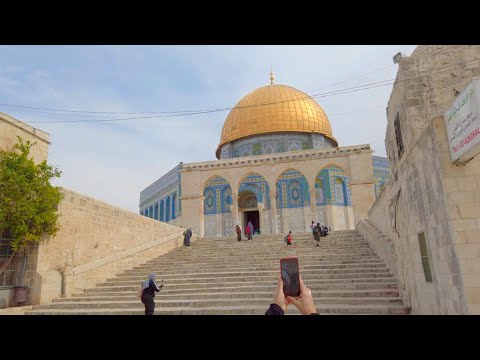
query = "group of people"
x=304 y=302
x=318 y=231
x=249 y=230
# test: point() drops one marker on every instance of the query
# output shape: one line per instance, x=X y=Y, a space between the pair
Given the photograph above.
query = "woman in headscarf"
x=187 y=235
x=238 y=230
x=149 y=289
x=249 y=230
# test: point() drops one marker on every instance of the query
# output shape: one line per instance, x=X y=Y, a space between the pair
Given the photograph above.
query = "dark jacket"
x=151 y=289
x=274 y=309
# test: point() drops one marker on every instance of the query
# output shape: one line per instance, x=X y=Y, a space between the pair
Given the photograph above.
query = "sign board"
x=462 y=120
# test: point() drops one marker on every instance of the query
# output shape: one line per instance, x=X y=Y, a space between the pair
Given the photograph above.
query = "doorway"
x=254 y=217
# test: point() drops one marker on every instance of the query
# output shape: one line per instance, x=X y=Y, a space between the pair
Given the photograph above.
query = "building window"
x=425 y=258
x=150 y=212
x=162 y=211
x=155 y=212
x=398 y=135
x=319 y=192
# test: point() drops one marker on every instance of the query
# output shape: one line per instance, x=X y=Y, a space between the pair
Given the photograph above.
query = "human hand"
x=304 y=302
x=279 y=296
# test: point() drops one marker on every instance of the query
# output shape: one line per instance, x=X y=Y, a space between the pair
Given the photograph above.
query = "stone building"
x=429 y=210
x=279 y=166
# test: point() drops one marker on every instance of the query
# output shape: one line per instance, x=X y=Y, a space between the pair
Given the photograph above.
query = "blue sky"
x=114 y=161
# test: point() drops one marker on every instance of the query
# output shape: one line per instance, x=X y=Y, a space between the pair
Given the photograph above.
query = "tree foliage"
x=28 y=202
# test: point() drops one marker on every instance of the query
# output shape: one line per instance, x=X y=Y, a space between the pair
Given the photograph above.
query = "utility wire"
x=207 y=111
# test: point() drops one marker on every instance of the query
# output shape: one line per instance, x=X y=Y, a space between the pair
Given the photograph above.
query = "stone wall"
x=96 y=241
x=10 y=128
x=425 y=192
x=462 y=189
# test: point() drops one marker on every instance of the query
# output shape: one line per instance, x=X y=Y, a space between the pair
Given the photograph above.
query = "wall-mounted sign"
x=463 y=123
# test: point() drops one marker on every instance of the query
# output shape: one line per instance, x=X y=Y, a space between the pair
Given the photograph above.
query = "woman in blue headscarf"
x=149 y=289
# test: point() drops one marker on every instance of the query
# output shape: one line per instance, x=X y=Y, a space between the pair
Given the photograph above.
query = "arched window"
x=150 y=212
x=155 y=212
x=339 y=192
x=167 y=210
x=141 y=212
x=162 y=211
x=209 y=201
x=174 y=200
x=319 y=191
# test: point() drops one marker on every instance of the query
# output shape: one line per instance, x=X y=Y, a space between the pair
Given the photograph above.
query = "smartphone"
x=290 y=276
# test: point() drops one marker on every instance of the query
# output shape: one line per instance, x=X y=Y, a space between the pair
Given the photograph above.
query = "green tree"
x=28 y=202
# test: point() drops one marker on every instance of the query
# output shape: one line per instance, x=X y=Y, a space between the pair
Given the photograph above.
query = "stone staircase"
x=222 y=276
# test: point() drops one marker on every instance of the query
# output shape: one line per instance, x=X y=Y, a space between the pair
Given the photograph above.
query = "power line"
x=207 y=111
x=354 y=78
x=188 y=112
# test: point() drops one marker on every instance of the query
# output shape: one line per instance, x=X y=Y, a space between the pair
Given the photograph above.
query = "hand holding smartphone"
x=290 y=273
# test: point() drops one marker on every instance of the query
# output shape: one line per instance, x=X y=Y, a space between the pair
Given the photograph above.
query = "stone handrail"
x=89 y=275
x=381 y=245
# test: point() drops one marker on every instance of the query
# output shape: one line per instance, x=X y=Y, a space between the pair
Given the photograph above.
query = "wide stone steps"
x=191 y=269
x=224 y=261
x=234 y=310
x=304 y=273
x=325 y=285
x=224 y=276
x=221 y=294
x=255 y=278
x=160 y=304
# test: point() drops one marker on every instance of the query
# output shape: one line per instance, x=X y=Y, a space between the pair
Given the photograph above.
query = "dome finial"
x=271 y=76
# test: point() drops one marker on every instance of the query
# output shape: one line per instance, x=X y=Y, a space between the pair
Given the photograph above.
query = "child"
x=289 y=239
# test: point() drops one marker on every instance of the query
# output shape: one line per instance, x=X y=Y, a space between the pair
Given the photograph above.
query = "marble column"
x=202 y=219
x=235 y=208
x=313 y=206
x=273 y=211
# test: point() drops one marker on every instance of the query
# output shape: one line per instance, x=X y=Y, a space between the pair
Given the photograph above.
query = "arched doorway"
x=254 y=203
x=248 y=206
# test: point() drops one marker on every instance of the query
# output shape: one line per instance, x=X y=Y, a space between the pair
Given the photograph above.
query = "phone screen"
x=290 y=276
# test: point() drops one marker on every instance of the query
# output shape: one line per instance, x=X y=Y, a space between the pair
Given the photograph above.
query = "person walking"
x=249 y=231
x=149 y=288
x=289 y=239
x=316 y=234
x=187 y=234
x=238 y=230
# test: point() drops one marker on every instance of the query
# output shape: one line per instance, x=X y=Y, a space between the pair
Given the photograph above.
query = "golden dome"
x=275 y=108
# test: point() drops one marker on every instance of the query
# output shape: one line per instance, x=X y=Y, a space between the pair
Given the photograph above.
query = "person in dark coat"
x=187 y=235
x=238 y=230
x=304 y=303
x=316 y=234
x=149 y=289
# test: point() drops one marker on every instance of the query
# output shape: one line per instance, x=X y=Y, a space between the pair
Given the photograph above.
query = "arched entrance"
x=248 y=206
